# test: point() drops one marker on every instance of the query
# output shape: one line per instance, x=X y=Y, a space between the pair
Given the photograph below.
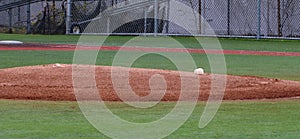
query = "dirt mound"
x=54 y=82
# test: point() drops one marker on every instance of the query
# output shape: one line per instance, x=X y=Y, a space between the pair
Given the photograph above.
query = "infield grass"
x=239 y=119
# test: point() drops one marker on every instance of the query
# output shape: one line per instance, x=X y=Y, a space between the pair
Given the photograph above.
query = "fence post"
x=108 y=25
x=10 y=20
x=200 y=15
x=168 y=16
x=258 y=19
x=68 y=17
x=155 y=17
x=145 y=21
x=48 y=19
x=28 y=18
x=279 y=18
x=228 y=17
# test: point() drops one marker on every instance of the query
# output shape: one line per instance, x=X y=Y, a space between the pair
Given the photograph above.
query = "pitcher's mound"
x=54 y=82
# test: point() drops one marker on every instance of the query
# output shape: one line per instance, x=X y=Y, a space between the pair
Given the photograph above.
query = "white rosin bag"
x=199 y=71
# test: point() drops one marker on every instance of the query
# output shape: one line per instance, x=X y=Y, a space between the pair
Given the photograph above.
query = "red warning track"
x=64 y=47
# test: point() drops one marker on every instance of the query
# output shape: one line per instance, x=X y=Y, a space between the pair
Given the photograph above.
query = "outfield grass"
x=189 y=42
x=248 y=119
x=54 y=39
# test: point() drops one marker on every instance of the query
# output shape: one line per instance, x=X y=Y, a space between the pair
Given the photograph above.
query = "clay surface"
x=52 y=82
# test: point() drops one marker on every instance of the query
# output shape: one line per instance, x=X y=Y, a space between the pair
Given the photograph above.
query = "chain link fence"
x=34 y=16
x=13 y=20
x=242 y=18
x=239 y=18
x=114 y=16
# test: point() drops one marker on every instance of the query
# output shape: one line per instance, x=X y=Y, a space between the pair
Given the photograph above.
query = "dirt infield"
x=49 y=82
x=68 y=47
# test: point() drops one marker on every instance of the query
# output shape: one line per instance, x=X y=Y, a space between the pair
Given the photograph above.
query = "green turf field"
x=239 y=119
x=189 y=42
x=252 y=119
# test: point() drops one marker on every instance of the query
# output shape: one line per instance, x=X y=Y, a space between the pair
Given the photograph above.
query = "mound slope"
x=52 y=82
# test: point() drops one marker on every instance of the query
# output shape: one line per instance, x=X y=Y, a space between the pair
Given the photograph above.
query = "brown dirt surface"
x=52 y=82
